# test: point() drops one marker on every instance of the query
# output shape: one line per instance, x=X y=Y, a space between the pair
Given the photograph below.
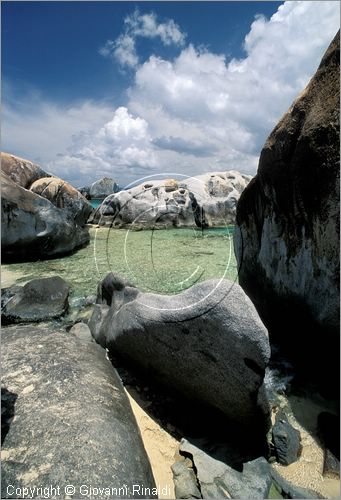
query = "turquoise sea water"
x=95 y=203
x=162 y=261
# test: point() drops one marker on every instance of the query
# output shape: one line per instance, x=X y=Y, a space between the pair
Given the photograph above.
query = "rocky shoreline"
x=222 y=390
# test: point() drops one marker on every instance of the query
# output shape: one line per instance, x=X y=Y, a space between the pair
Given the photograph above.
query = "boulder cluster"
x=203 y=201
x=41 y=215
x=66 y=416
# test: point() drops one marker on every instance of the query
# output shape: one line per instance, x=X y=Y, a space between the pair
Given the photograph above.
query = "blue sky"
x=129 y=89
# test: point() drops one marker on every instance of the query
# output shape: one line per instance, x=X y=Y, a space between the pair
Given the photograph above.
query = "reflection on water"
x=160 y=261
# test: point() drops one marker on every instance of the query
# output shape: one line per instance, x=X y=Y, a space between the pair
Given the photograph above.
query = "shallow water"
x=95 y=203
x=161 y=261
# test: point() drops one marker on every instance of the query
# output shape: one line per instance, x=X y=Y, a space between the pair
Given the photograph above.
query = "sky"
x=135 y=89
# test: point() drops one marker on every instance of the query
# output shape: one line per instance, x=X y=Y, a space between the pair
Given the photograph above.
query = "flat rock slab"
x=68 y=423
x=38 y=300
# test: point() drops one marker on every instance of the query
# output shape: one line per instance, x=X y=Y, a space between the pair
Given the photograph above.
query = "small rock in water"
x=286 y=439
x=38 y=300
x=90 y=299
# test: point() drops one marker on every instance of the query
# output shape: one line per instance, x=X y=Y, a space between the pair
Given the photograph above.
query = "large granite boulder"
x=205 y=200
x=65 y=196
x=33 y=228
x=69 y=425
x=102 y=188
x=207 y=343
x=287 y=234
x=38 y=300
x=22 y=172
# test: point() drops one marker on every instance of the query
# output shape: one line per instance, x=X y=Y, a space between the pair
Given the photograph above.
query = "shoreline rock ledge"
x=206 y=343
x=287 y=233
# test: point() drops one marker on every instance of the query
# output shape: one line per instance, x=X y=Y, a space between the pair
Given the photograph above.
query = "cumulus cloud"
x=147 y=26
x=233 y=105
x=122 y=144
x=123 y=49
x=195 y=113
x=41 y=131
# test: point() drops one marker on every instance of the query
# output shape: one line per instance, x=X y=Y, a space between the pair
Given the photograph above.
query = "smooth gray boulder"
x=287 y=239
x=208 y=343
x=38 y=300
x=205 y=200
x=71 y=421
x=103 y=187
x=33 y=228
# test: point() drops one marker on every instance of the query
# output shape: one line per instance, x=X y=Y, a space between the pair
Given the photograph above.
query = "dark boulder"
x=207 y=343
x=33 y=228
x=72 y=423
x=287 y=233
x=38 y=300
x=286 y=440
x=328 y=426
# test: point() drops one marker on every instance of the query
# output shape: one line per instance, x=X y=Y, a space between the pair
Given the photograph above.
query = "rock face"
x=45 y=221
x=20 y=171
x=207 y=343
x=103 y=188
x=38 y=300
x=33 y=228
x=287 y=234
x=63 y=195
x=205 y=200
x=72 y=424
